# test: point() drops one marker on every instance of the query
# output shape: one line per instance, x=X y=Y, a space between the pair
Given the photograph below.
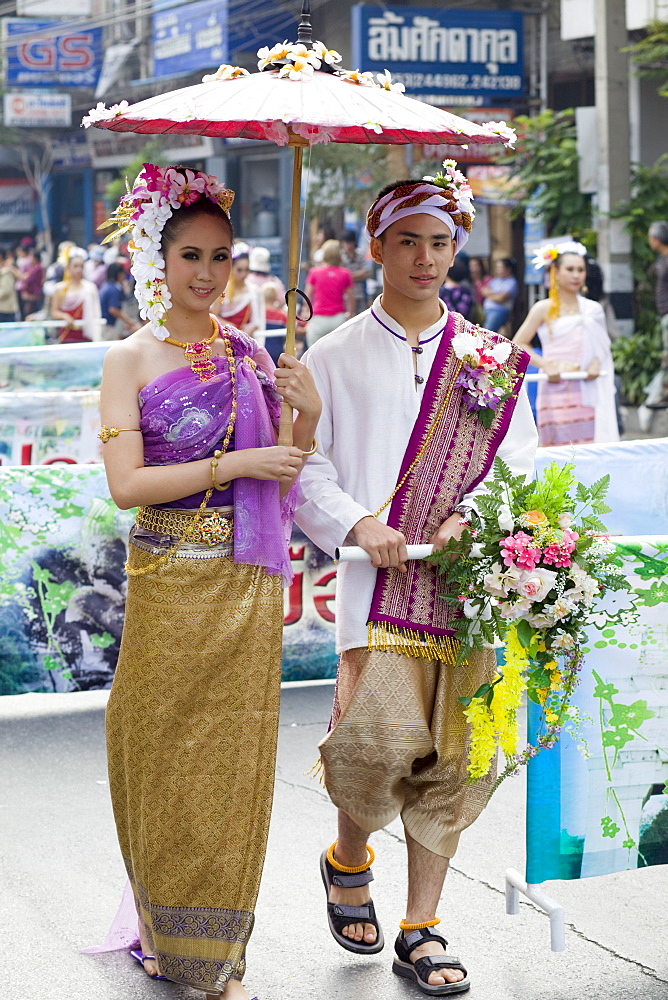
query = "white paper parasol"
x=299 y=99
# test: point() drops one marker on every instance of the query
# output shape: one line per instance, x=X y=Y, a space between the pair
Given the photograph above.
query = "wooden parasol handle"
x=298 y=144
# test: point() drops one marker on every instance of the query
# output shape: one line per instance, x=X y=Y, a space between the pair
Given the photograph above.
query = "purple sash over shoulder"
x=183 y=420
x=406 y=614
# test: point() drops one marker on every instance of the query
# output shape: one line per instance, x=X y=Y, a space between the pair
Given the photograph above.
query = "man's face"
x=416 y=253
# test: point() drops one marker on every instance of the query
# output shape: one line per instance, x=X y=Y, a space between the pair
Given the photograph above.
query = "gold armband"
x=111 y=432
x=314 y=448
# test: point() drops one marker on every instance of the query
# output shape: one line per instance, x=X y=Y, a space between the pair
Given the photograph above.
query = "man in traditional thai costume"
x=402 y=453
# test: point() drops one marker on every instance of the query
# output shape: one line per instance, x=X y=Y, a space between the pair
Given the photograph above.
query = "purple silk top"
x=183 y=420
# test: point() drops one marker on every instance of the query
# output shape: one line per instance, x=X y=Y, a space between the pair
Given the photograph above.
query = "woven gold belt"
x=215 y=528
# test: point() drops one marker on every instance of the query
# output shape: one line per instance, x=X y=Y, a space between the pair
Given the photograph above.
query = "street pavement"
x=62 y=880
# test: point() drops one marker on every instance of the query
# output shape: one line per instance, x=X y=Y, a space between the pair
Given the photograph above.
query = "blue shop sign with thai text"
x=473 y=56
x=40 y=54
x=190 y=38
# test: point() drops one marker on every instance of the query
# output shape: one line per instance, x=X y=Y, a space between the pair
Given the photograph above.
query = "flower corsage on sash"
x=529 y=576
x=486 y=383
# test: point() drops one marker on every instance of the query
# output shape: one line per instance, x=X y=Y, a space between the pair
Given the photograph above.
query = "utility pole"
x=612 y=119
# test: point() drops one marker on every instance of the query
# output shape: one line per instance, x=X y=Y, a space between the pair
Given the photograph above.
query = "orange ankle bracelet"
x=418 y=927
x=350 y=871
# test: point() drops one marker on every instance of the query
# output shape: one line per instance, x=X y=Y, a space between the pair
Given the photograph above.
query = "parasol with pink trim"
x=299 y=97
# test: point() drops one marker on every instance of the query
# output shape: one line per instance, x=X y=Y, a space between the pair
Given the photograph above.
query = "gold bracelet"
x=314 y=448
x=111 y=432
x=214 y=465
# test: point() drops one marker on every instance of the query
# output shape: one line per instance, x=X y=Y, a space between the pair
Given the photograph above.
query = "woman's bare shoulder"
x=539 y=309
x=131 y=353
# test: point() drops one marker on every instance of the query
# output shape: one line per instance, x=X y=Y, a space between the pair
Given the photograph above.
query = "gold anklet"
x=418 y=927
x=350 y=871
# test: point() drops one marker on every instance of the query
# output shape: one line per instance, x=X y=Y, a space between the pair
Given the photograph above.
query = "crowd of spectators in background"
x=91 y=290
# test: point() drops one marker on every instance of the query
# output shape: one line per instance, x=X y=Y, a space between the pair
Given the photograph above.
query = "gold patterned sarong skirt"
x=192 y=724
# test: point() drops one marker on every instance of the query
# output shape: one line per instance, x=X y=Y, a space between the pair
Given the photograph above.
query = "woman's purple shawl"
x=183 y=420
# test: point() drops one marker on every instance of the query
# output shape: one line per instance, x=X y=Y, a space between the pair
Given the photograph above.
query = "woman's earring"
x=222 y=297
x=584 y=289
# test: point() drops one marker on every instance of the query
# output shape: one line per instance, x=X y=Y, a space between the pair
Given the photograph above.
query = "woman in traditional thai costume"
x=573 y=337
x=190 y=408
x=77 y=302
x=243 y=303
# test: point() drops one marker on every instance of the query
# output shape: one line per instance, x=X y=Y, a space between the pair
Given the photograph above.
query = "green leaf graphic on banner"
x=650 y=597
x=632 y=716
x=102 y=641
x=610 y=828
x=617 y=738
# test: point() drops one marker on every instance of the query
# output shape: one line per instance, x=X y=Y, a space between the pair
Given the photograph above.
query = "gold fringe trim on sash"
x=411 y=642
x=317 y=771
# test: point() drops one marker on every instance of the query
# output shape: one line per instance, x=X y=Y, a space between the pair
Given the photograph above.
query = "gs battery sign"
x=39 y=55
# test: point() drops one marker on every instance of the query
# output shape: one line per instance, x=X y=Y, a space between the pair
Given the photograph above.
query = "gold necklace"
x=199 y=355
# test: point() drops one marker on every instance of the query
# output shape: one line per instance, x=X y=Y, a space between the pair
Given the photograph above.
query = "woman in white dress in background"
x=573 y=337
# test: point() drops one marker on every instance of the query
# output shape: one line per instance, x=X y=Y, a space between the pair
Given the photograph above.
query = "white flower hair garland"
x=548 y=253
x=156 y=195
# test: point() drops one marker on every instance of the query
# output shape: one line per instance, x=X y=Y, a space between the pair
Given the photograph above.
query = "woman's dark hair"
x=593 y=281
x=459 y=270
x=327 y=230
x=114 y=270
x=509 y=263
x=483 y=269
x=182 y=216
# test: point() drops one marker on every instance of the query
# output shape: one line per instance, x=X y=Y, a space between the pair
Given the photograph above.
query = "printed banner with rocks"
x=63 y=546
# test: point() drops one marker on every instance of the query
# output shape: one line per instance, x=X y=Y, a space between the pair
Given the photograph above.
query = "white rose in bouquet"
x=505 y=518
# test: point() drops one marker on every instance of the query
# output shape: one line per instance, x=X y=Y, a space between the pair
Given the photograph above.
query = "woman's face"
x=75 y=269
x=240 y=270
x=571 y=272
x=501 y=270
x=198 y=262
x=475 y=269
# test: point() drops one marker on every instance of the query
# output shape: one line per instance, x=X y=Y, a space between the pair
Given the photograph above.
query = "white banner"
x=17 y=206
x=38 y=110
x=47 y=428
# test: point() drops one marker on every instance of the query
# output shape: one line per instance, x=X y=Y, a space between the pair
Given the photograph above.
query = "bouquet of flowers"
x=527 y=575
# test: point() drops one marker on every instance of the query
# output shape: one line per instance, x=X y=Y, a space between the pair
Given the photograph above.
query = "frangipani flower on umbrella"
x=225 y=72
x=101 y=113
x=385 y=81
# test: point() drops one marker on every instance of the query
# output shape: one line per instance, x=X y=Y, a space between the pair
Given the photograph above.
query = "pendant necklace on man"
x=199 y=355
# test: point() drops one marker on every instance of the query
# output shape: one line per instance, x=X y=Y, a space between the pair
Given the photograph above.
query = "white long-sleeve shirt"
x=370 y=401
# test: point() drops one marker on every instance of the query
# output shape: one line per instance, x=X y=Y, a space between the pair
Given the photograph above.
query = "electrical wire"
x=236 y=19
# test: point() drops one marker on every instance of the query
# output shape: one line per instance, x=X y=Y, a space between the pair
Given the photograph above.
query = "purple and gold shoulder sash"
x=455 y=453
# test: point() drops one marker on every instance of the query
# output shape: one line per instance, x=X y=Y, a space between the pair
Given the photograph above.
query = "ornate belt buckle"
x=215 y=529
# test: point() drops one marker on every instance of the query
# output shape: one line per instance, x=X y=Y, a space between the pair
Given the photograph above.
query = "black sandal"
x=339 y=915
x=420 y=970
